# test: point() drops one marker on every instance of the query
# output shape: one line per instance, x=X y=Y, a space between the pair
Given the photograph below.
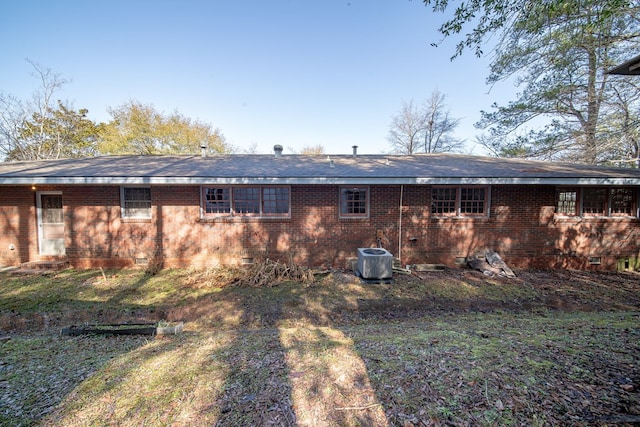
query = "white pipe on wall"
x=400 y=227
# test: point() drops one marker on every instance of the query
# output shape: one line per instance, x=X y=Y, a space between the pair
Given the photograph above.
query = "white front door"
x=50 y=223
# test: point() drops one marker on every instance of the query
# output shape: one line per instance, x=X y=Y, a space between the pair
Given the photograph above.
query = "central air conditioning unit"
x=375 y=263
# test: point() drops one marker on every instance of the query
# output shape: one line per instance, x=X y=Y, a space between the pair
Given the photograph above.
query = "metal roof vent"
x=277 y=149
x=375 y=263
x=355 y=150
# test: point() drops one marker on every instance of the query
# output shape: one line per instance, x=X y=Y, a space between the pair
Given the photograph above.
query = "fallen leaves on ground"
x=447 y=348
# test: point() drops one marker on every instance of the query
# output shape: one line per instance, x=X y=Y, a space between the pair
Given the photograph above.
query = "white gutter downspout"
x=400 y=227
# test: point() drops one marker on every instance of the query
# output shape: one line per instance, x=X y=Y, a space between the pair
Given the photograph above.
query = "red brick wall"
x=521 y=227
x=18 y=238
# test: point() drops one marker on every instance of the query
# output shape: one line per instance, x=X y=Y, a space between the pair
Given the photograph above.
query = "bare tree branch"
x=425 y=129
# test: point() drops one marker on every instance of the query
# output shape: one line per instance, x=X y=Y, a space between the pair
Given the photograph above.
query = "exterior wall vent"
x=142 y=261
x=595 y=260
x=375 y=263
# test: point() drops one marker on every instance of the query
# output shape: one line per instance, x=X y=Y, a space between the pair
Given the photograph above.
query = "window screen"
x=136 y=202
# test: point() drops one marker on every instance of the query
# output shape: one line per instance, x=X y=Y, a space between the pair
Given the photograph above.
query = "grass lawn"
x=446 y=348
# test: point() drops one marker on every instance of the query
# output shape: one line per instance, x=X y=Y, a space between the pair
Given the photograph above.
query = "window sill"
x=577 y=218
x=136 y=220
x=240 y=219
x=459 y=218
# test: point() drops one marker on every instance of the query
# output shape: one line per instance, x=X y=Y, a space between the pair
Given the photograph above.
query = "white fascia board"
x=75 y=181
x=314 y=181
x=529 y=181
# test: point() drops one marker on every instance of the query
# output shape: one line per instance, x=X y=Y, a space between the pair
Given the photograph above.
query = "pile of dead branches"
x=269 y=273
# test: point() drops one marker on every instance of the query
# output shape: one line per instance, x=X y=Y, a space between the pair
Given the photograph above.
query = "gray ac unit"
x=375 y=263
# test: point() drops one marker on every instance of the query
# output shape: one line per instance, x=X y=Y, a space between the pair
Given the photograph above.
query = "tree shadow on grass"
x=256 y=389
x=205 y=377
x=42 y=302
x=39 y=369
x=284 y=361
x=290 y=355
x=196 y=379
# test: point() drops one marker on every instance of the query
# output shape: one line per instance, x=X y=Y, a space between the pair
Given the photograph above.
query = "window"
x=567 y=202
x=136 y=202
x=459 y=201
x=444 y=200
x=246 y=200
x=217 y=201
x=622 y=202
x=472 y=201
x=275 y=200
x=51 y=208
x=243 y=201
x=596 y=201
x=354 y=202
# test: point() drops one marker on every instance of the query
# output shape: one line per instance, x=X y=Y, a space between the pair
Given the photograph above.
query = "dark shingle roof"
x=629 y=68
x=303 y=169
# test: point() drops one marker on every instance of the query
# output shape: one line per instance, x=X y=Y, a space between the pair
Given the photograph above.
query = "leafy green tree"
x=309 y=150
x=313 y=150
x=12 y=115
x=557 y=52
x=140 y=129
x=488 y=17
x=35 y=129
x=60 y=133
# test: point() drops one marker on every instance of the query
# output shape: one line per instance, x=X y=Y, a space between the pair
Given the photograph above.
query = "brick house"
x=228 y=209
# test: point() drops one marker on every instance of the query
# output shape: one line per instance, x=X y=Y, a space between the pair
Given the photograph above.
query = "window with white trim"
x=246 y=201
x=444 y=200
x=216 y=200
x=275 y=201
x=460 y=200
x=473 y=200
x=597 y=201
x=354 y=202
x=135 y=202
x=567 y=201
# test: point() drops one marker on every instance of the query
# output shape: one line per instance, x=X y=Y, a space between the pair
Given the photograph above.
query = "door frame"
x=39 y=195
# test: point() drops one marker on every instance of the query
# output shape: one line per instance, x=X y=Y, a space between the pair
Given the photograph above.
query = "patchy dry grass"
x=449 y=348
x=37 y=370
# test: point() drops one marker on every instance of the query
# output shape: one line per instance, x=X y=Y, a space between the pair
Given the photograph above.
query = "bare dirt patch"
x=342 y=298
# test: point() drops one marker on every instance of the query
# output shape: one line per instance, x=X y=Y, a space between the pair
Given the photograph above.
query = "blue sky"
x=295 y=73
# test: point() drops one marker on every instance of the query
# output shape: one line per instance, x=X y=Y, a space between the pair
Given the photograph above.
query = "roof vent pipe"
x=277 y=149
x=203 y=150
x=355 y=150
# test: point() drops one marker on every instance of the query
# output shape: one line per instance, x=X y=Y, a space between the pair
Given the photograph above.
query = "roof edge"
x=316 y=181
x=628 y=68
